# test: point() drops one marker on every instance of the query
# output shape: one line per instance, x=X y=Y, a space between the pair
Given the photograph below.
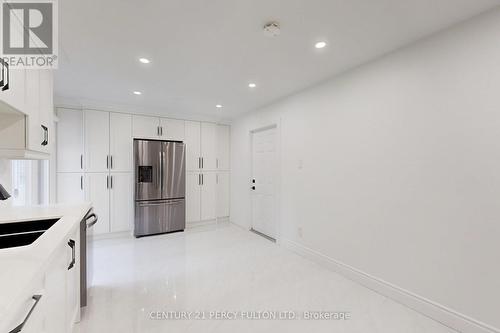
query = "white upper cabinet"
x=69 y=140
x=34 y=133
x=15 y=96
x=223 y=147
x=172 y=129
x=208 y=146
x=145 y=127
x=120 y=142
x=193 y=147
x=96 y=141
x=26 y=110
x=46 y=119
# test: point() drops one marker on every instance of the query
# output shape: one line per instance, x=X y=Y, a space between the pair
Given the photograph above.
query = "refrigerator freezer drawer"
x=159 y=216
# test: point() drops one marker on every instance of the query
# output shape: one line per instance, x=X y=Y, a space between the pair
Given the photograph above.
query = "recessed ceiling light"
x=320 y=45
x=144 y=60
x=218 y=106
x=252 y=85
x=137 y=93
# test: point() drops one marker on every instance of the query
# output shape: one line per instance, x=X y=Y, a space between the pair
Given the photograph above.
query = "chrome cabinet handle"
x=81 y=161
x=19 y=327
x=81 y=183
x=202 y=160
x=199 y=179
x=202 y=180
x=107 y=181
x=111 y=161
x=71 y=244
x=107 y=161
x=111 y=181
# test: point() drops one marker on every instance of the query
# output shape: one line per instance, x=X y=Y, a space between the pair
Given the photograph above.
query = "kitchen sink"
x=23 y=233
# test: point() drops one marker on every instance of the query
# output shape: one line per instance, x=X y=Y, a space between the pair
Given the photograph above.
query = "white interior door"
x=192 y=140
x=193 y=196
x=97 y=192
x=120 y=142
x=96 y=141
x=69 y=141
x=208 y=196
x=121 y=201
x=263 y=181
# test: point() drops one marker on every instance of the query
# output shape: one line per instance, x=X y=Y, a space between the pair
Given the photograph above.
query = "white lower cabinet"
x=223 y=194
x=208 y=196
x=97 y=192
x=201 y=192
x=112 y=199
x=121 y=202
x=193 y=196
x=70 y=187
x=55 y=298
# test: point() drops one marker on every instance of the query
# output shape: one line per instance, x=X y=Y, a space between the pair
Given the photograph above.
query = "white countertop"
x=21 y=266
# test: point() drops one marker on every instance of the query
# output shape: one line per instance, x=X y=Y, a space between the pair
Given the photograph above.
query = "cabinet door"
x=193 y=196
x=97 y=192
x=69 y=140
x=208 y=196
x=120 y=142
x=72 y=301
x=121 y=201
x=34 y=132
x=209 y=146
x=223 y=147
x=172 y=129
x=70 y=188
x=46 y=108
x=55 y=292
x=193 y=149
x=15 y=96
x=96 y=141
x=223 y=194
x=145 y=127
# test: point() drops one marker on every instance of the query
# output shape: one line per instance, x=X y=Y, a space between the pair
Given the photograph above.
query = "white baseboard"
x=438 y=312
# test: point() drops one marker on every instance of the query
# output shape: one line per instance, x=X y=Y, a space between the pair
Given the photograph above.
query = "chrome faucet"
x=4 y=195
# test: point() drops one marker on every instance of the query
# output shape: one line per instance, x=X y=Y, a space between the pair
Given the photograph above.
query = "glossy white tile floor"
x=227 y=268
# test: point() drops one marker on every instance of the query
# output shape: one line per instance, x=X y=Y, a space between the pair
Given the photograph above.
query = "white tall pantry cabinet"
x=95 y=163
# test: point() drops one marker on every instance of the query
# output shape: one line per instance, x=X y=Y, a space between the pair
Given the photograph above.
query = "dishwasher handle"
x=94 y=221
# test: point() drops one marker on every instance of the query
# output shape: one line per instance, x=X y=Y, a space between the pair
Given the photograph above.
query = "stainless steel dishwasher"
x=86 y=255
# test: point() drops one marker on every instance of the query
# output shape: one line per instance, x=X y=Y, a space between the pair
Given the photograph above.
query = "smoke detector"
x=272 y=29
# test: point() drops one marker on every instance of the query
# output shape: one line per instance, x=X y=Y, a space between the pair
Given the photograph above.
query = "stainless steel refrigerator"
x=160 y=187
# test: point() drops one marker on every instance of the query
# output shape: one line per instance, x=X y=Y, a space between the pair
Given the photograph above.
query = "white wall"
x=401 y=168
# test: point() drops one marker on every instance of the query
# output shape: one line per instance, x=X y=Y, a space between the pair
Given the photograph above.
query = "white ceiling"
x=206 y=52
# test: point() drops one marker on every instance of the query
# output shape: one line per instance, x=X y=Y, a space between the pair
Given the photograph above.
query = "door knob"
x=253 y=188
